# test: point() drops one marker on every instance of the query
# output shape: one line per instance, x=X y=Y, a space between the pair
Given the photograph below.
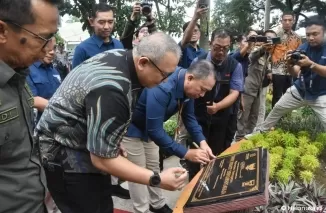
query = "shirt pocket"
x=11 y=135
x=44 y=87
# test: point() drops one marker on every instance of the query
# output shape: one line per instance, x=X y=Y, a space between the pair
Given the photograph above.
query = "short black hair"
x=101 y=7
x=20 y=11
x=270 y=31
x=184 y=27
x=287 y=13
x=315 y=20
x=220 y=34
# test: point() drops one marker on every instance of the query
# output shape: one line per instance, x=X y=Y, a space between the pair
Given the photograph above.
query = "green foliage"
x=284 y=175
x=292 y=154
x=302 y=121
x=306 y=176
x=248 y=145
x=289 y=140
x=298 y=7
x=235 y=15
x=309 y=162
x=289 y=164
x=169 y=14
x=289 y=155
x=277 y=150
x=170 y=127
x=59 y=39
x=311 y=149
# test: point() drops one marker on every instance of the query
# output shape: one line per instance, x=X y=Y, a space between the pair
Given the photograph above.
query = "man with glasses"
x=81 y=129
x=102 y=21
x=26 y=31
x=213 y=110
x=146 y=134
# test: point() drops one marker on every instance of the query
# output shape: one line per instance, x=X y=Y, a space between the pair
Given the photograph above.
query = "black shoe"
x=120 y=192
x=164 y=209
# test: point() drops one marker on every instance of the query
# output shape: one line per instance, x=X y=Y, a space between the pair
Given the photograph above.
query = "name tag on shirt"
x=58 y=77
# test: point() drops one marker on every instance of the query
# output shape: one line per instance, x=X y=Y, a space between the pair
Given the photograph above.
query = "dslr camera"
x=146 y=8
x=264 y=39
x=202 y=4
x=296 y=55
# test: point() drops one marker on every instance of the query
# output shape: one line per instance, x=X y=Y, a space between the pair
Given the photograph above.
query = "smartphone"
x=202 y=4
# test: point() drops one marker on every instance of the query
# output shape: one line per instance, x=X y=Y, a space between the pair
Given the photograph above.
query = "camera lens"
x=146 y=10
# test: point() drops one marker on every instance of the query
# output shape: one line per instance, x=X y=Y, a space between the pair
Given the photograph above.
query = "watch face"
x=156 y=180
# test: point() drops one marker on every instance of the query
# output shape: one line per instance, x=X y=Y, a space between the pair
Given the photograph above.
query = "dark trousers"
x=280 y=84
x=80 y=193
x=231 y=129
x=216 y=137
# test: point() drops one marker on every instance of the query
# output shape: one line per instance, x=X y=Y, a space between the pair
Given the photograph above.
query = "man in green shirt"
x=26 y=31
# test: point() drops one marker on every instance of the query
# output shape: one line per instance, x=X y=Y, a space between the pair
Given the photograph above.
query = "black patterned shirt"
x=90 y=111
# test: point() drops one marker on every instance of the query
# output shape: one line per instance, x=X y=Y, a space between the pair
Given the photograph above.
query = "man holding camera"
x=144 y=30
x=191 y=36
x=259 y=67
x=310 y=69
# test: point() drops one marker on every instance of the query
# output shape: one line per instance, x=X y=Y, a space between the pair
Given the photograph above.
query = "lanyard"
x=180 y=108
x=177 y=130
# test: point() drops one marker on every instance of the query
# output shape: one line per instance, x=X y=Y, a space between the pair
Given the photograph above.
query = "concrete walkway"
x=171 y=197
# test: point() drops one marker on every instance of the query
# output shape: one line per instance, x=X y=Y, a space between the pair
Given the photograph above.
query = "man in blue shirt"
x=191 y=36
x=214 y=109
x=146 y=134
x=102 y=21
x=43 y=80
x=310 y=87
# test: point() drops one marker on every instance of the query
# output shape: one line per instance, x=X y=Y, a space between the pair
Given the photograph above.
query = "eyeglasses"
x=46 y=40
x=223 y=48
x=164 y=74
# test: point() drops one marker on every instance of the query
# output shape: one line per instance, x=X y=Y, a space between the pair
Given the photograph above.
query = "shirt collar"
x=180 y=83
x=7 y=74
x=99 y=41
x=40 y=64
x=132 y=70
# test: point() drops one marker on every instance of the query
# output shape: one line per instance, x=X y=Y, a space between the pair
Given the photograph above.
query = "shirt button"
x=6 y=136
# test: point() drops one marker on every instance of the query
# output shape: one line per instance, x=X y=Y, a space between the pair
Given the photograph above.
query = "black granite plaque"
x=231 y=177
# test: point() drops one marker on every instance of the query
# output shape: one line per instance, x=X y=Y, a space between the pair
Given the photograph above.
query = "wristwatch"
x=155 y=180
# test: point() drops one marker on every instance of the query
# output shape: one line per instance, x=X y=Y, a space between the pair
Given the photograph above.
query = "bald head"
x=156 y=46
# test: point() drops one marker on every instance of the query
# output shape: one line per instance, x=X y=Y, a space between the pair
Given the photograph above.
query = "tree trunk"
x=204 y=29
x=297 y=14
x=159 y=17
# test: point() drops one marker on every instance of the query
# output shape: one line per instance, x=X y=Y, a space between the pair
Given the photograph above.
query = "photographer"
x=191 y=36
x=127 y=38
x=259 y=67
x=310 y=87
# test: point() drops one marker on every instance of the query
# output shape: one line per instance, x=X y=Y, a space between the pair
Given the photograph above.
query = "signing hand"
x=198 y=156
x=204 y=146
x=173 y=179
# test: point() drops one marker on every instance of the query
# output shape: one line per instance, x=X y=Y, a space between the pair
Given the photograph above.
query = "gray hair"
x=202 y=69
x=155 y=46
